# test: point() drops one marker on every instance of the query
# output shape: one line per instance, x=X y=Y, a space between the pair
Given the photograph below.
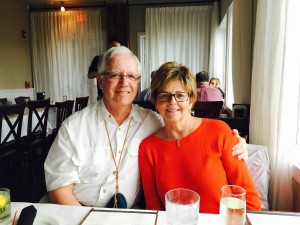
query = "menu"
x=98 y=216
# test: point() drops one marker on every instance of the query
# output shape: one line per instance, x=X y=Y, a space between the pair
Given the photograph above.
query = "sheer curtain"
x=217 y=47
x=63 y=46
x=275 y=92
x=177 y=34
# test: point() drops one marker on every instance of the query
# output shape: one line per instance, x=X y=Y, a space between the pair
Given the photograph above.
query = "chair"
x=208 y=109
x=3 y=101
x=145 y=104
x=34 y=145
x=64 y=110
x=22 y=99
x=11 y=117
x=81 y=102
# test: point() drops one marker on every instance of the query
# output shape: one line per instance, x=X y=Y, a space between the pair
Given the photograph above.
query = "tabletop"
x=74 y=215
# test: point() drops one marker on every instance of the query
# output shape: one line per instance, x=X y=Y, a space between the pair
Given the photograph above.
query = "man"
x=94 y=157
x=93 y=69
x=205 y=92
x=145 y=94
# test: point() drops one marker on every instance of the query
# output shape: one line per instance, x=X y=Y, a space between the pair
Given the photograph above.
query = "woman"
x=215 y=82
x=188 y=152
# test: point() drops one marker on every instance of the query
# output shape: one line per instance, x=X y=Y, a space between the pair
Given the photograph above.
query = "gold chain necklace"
x=114 y=158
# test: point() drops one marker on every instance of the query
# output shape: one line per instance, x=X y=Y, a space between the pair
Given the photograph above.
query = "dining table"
x=56 y=214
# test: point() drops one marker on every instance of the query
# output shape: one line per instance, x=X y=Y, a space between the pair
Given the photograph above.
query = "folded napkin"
x=27 y=215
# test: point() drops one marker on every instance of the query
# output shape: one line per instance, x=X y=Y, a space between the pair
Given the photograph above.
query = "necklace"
x=117 y=165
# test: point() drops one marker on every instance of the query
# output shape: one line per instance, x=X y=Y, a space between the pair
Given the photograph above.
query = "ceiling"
x=48 y=4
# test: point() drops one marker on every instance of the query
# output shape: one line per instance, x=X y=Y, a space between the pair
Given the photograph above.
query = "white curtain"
x=63 y=46
x=179 y=34
x=275 y=92
x=217 y=47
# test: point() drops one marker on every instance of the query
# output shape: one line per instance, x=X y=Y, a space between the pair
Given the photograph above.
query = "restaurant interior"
x=26 y=71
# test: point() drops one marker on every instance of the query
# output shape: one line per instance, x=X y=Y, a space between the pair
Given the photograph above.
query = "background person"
x=215 y=82
x=189 y=152
x=94 y=156
x=93 y=69
x=205 y=92
x=145 y=94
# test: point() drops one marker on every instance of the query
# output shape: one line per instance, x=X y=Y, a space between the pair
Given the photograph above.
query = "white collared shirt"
x=81 y=154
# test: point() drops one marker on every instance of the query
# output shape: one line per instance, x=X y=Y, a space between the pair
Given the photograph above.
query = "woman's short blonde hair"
x=170 y=71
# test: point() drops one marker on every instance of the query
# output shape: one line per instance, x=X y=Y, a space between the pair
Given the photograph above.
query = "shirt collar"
x=104 y=114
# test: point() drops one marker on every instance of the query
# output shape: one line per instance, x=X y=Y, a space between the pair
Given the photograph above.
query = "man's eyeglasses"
x=116 y=76
x=179 y=96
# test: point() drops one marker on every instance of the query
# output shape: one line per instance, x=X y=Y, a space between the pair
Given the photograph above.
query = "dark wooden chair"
x=34 y=147
x=208 y=109
x=22 y=99
x=3 y=101
x=12 y=116
x=63 y=111
x=145 y=104
x=81 y=102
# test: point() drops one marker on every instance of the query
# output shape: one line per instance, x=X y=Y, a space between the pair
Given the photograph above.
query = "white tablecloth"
x=73 y=215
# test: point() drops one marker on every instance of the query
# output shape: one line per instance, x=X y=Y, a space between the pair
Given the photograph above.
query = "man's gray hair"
x=117 y=51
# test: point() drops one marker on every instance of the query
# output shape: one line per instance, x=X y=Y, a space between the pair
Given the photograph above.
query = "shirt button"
x=114 y=172
x=104 y=190
x=119 y=151
x=119 y=129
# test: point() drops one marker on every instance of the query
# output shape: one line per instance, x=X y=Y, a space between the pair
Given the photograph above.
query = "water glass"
x=5 y=210
x=182 y=207
x=233 y=205
x=65 y=98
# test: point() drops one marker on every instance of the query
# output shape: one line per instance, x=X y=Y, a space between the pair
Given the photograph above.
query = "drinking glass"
x=64 y=98
x=5 y=210
x=182 y=207
x=233 y=205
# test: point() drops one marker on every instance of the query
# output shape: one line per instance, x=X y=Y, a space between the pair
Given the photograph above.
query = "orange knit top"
x=201 y=161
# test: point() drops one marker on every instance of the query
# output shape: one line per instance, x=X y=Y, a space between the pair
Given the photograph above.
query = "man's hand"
x=240 y=149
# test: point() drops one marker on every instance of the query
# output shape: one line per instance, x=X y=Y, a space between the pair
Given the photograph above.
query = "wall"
x=15 y=63
x=137 y=16
x=224 y=7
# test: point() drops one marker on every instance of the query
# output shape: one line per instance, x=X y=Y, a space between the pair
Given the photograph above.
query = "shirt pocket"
x=90 y=163
x=131 y=166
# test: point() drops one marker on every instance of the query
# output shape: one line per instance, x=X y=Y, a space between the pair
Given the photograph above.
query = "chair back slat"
x=81 y=102
x=13 y=116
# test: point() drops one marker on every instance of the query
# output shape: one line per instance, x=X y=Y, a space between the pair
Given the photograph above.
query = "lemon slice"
x=2 y=201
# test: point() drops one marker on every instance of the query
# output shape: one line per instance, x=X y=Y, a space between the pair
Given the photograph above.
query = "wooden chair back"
x=64 y=110
x=3 y=101
x=22 y=99
x=208 y=109
x=38 y=110
x=145 y=104
x=81 y=102
x=15 y=124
